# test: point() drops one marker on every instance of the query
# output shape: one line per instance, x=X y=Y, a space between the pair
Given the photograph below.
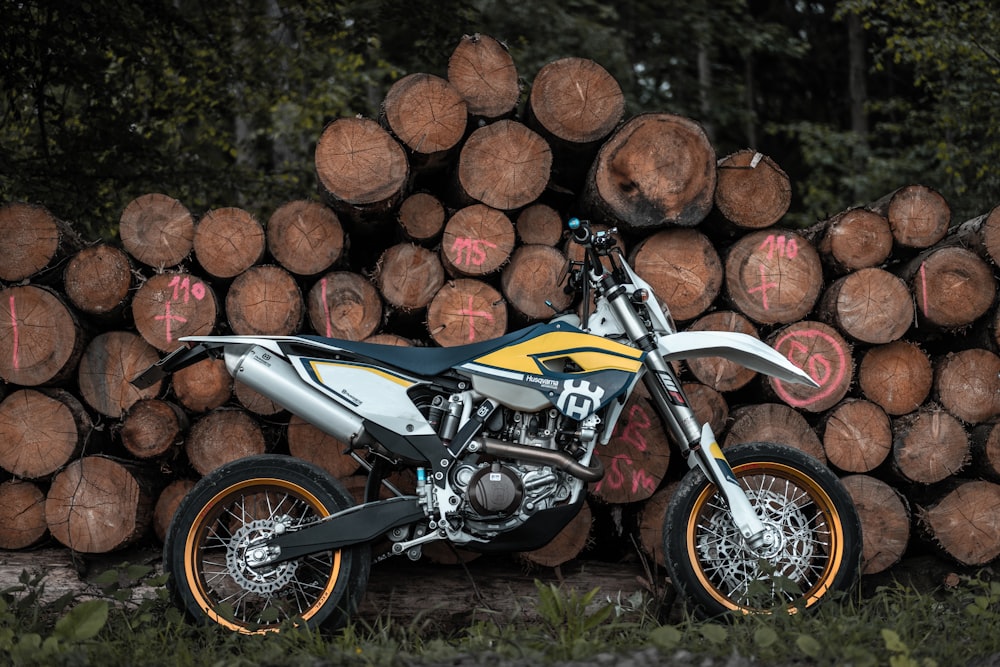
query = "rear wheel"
x=207 y=550
x=818 y=547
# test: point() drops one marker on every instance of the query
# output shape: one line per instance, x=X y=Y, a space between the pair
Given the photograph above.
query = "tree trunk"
x=428 y=116
x=307 y=442
x=98 y=281
x=98 y=504
x=885 y=522
x=166 y=505
x=824 y=355
x=857 y=238
x=31 y=241
x=228 y=241
x=477 y=241
x=254 y=401
x=773 y=422
x=344 y=305
x=868 y=305
x=504 y=165
x=682 y=267
x=203 y=386
x=716 y=372
x=968 y=385
x=265 y=300
x=41 y=431
x=929 y=446
x=952 y=287
x=655 y=170
x=985 y=447
x=708 y=404
x=157 y=230
x=153 y=427
x=965 y=522
x=483 y=71
x=22 y=514
x=539 y=223
x=305 y=237
x=173 y=304
x=752 y=191
x=565 y=546
x=466 y=311
x=774 y=276
x=41 y=339
x=409 y=276
x=534 y=276
x=897 y=376
x=107 y=367
x=422 y=217
x=650 y=521
x=982 y=234
x=918 y=216
x=857 y=436
x=221 y=436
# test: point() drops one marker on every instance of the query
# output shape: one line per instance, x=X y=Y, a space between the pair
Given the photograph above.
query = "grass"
x=891 y=624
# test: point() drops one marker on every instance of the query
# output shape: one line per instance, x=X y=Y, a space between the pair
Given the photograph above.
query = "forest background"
x=221 y=103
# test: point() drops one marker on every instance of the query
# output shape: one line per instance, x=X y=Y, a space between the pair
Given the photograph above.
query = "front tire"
x=246 y=501
x=819 y=535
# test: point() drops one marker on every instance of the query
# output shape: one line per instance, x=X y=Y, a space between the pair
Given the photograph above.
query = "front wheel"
x=207 y=550
x=818 y=548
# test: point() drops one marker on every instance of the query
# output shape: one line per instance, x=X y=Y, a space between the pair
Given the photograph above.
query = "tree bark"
x=504 y=165
x=637 y=178
x=824 y=355
x=98 y=281
x=982 y=234
x=32 y=240
x=157 y=230
x=466 y=311
x=918 y=215
x=965 y=522
x=221 y=436
x=422 y=217
x=483 y=71
x=896 y=376
x=477 y=241
x=857 y=238
x=752 y=191
x=153 y=427
x=929 y=446
x=539 y=223
x=682 y=267
x=857 y=436
x=773 y=422
x=41 y=339
x=774 y=276
x=428 y=116
x=305 y=237
x=868 y=305
x=106 y=369
x=203 y=386
x=952 y=287
x=171 y=305
x=968 y=384
x=534 y=276
x=22 y=514
x=265 y=300
x=228 y=241
x=716 y=372
x=41 y=431
x=885 y=522
x=344 y=305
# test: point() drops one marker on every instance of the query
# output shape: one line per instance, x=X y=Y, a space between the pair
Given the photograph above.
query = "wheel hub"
x=246 y=549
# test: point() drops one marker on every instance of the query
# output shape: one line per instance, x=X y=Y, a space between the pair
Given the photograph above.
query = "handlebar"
x=580 y=229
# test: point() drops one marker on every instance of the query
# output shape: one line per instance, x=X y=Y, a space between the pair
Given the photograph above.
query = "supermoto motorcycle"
x=501 y=435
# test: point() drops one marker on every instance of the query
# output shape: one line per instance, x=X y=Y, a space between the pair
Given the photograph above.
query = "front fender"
x=740 y=348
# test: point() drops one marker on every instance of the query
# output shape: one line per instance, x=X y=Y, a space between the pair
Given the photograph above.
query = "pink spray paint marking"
x=168 y=319
x=825 y=372
x=923 y=286
x=326 y=309
x=474 y=250
x=763 y=287
x=184 y=291
x=472 y=315
x=13 y=322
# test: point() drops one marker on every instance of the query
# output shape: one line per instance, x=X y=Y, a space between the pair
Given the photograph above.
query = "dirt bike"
x=501 y=435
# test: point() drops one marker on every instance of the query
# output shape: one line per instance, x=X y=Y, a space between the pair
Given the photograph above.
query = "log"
x=965 y=522
x=918 y=215
x=929 y=446
x=466 y=311
x=952 y=287
x=567 y=545
x=539 y=223
x=477 y=241
x=265 y=300
x=345 y=305
x=203 y=386
x=173 y=304
x=857 y=436
x=752 y=191
x=682 y=267
x=717 y=372
x=967 y=383
x=650 y=522
x=22 y=514
x=824 y=355
x=109 y=363
x=885 y=522
x=773 y=276
x=157 y=230
x=428 y=116
x=228 y=241
x=41 y=431
x=708 y=404
x=655 y=170
x=152 y=427
x=309 y=443
x=483 y=71
x=857 y=238
x=773 y=422
x=574 y=104
x=254 y=401
x=504 y=165
x=984 y=443
x=166 y=505
x=896 y=376
x=41 y=339
x=533 y=277
x=421 y=217
x=982 y=234
x=362 y=170
x=409 y=276
x=31 y=241
x=220 y=436
x=98 y=504
x=868 y=305
x=305 y=237
x=637 y=456
x=98 y=281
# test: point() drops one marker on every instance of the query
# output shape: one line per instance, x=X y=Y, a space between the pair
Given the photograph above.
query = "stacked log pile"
x=440 y=223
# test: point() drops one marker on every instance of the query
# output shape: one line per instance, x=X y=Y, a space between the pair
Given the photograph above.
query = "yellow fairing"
x=589 y=352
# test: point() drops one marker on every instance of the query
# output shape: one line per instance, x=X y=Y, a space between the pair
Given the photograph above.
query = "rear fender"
x=737 y=347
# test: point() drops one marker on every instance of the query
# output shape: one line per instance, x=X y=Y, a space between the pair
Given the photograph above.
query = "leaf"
x=809 y=646
x=714 y=633
x=765 y=636
x=666 y=637
x=893 y=642
x=83 y=621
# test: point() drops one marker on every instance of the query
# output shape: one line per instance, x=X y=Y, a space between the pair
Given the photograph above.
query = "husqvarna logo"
x=579 y=398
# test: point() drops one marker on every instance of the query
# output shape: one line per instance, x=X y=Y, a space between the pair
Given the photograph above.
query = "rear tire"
x=204 y=550
x=819 y=531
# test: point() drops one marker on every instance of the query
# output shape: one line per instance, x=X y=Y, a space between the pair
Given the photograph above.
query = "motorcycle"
x=502 y=436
